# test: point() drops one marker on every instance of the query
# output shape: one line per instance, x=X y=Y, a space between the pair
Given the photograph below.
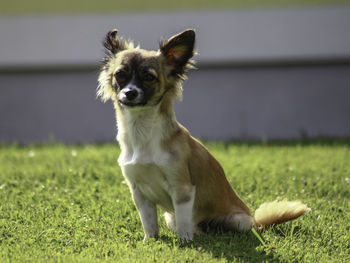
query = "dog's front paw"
x=185 y=236
x=148 y=236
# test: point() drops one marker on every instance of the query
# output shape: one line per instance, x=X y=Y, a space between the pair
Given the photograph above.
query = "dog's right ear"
x=113 y=43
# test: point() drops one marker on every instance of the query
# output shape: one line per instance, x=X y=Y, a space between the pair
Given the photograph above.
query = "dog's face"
x=137 y=78
x=134 y=77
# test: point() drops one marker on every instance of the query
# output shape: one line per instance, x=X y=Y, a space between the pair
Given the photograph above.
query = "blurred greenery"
x=109 y=6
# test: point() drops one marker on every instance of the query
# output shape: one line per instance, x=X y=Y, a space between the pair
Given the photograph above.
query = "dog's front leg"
x=148 y=213
x=183 y=201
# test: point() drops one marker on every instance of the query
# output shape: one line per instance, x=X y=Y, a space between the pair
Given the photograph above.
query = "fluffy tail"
x=277 y=212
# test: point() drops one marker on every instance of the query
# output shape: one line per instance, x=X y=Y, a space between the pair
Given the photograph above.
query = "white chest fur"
x=140 y=133
x=143 y=159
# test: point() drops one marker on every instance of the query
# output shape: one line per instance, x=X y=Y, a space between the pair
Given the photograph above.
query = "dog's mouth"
x=131 y=104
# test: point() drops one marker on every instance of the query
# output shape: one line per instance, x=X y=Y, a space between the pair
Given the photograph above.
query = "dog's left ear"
x=178 y=51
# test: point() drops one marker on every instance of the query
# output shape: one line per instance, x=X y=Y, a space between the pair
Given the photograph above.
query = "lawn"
x=112 y=6
x=70 y=204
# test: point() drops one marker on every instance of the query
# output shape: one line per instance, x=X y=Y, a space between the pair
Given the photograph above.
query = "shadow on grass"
x=229 y=246
x=286 y=230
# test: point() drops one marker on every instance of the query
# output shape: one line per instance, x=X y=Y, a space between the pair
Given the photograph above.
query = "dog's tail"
x=276 y=212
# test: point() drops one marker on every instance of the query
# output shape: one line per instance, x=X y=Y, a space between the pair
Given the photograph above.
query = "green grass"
x=70 y=204
x=108 y=6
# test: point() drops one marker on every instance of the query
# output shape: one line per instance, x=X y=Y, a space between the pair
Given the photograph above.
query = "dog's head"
x=133 y=77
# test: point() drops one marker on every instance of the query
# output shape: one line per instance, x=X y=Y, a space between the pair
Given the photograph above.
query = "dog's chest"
x=144 y=162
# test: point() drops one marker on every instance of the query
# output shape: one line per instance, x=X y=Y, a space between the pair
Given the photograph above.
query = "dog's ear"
x=113 y=43
x=178 y=51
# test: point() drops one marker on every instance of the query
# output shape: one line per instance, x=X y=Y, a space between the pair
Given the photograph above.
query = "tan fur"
x=152 y=140
x=276 y=212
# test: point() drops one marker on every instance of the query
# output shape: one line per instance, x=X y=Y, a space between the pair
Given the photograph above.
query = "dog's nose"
x=131 y=94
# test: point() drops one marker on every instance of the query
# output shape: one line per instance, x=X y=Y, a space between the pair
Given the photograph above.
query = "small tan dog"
x=162 y=163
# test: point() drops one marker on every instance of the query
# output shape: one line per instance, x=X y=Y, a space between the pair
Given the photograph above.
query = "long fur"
x=277 y=212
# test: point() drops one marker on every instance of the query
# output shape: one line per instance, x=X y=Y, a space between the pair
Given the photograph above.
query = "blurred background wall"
x=272 y=70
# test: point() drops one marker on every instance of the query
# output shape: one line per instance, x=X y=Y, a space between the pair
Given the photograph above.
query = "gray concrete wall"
x=240 y=103
x=276 y=102
x=262 y=74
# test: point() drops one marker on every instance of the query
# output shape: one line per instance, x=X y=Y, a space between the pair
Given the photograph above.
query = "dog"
x=161 y=162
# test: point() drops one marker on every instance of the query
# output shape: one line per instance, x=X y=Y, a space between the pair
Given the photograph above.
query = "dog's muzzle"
x=131 y=96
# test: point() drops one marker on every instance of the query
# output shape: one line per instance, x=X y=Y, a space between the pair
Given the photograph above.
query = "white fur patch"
x=140 y=135
x=170 y=221
x=242 y=222
x=184 y=217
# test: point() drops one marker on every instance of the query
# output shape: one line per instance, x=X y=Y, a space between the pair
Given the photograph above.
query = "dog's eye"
x=121 y=76
x=149 y=77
